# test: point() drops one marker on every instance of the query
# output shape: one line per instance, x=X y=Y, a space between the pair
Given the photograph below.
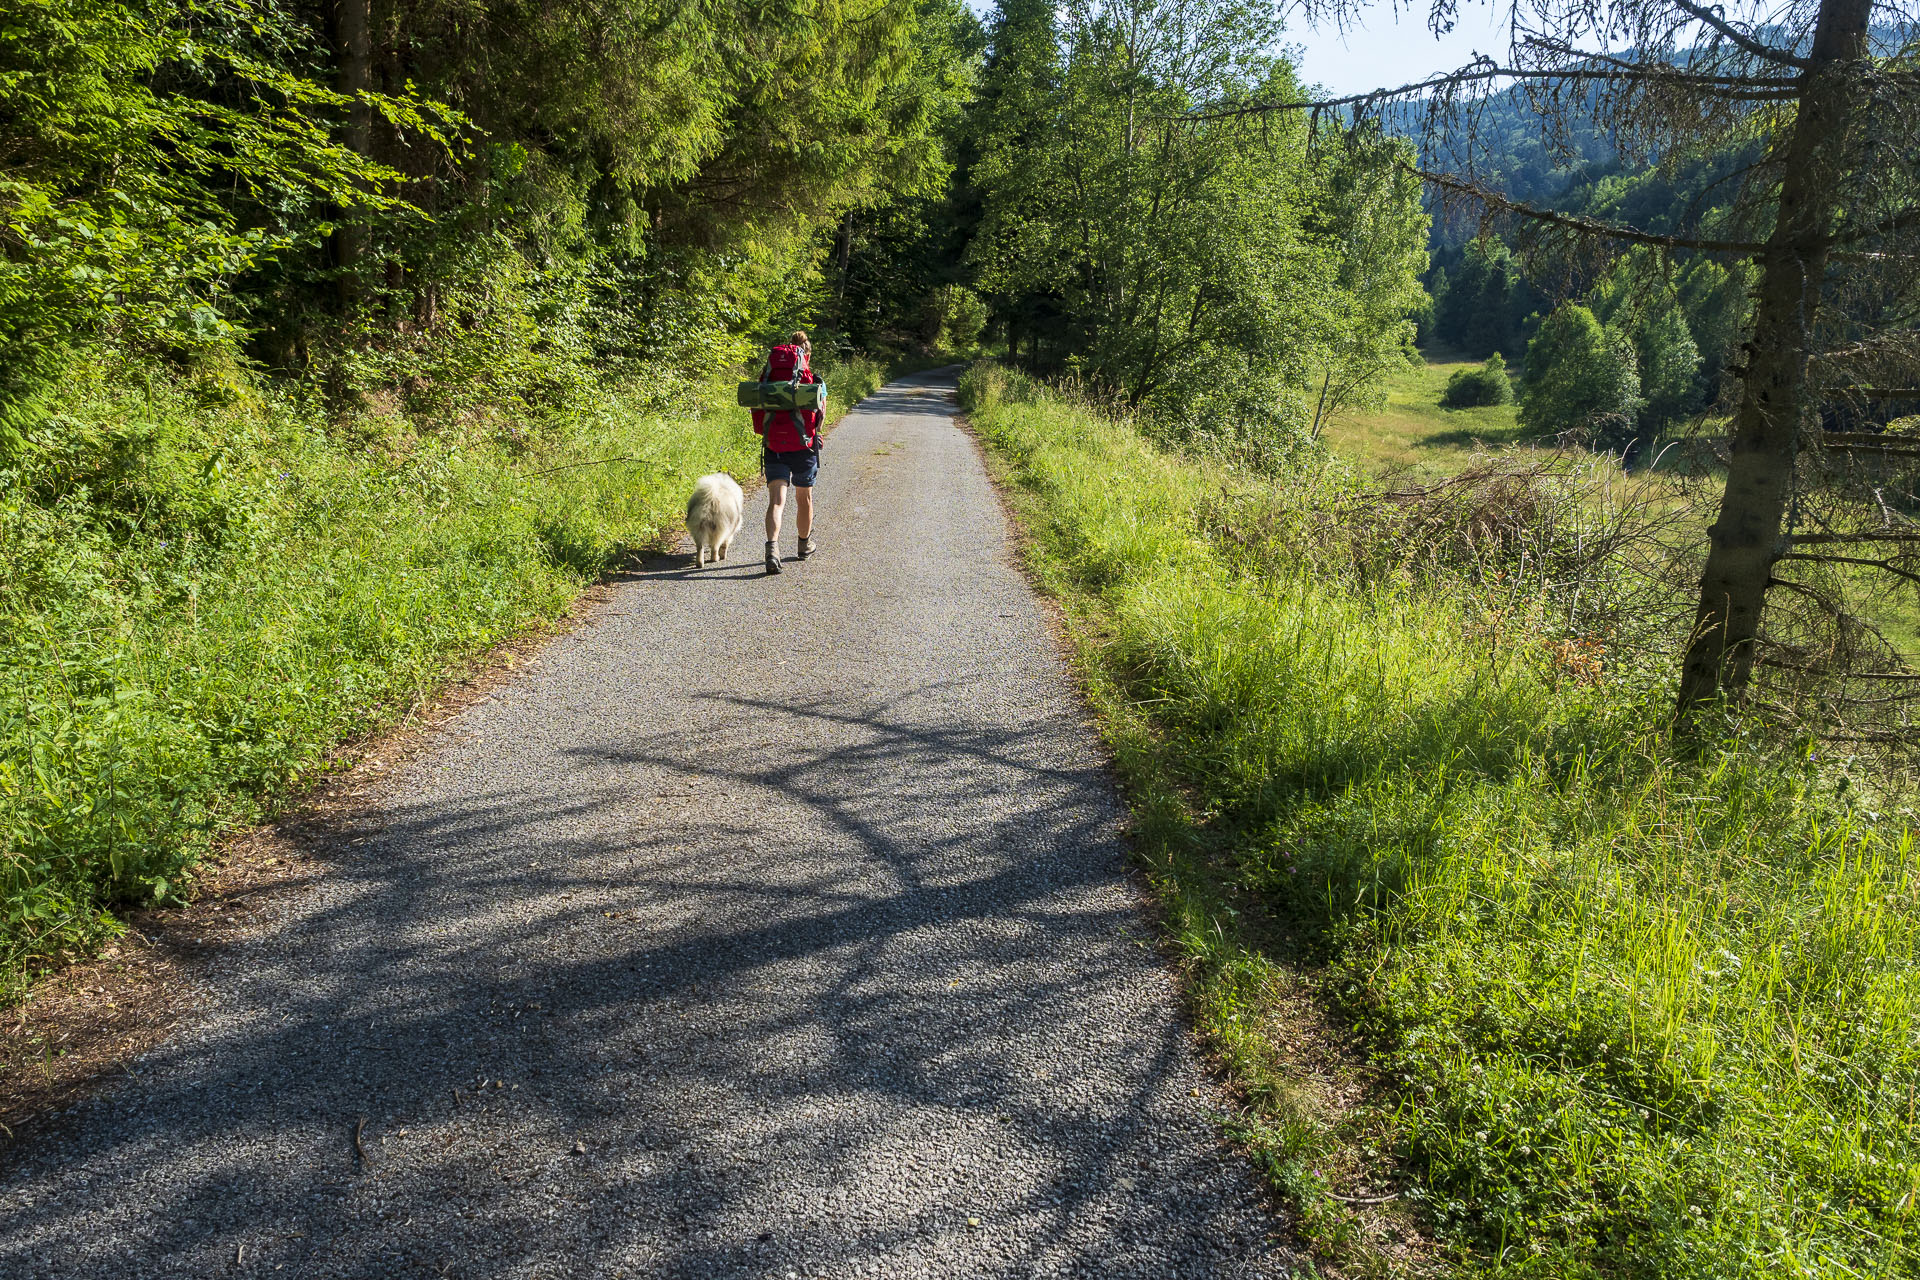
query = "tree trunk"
x=354 y=27
x=1321 y=408
x=1776 y=398
x=846 y=260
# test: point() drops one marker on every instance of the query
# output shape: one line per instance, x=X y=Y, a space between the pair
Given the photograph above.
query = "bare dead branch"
x=1574 y=222
x=1712 y=18
x=1841 y=539
x=1844 y=698
x=1882 y=450
x=1886 y=565
x=1672 y=73
x=1754 y=88
x=1800 y=588
x=1908 y=217
x=1768 y=661
x=1888 y=739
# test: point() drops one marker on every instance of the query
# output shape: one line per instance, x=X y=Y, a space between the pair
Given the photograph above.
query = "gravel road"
x=767 y=926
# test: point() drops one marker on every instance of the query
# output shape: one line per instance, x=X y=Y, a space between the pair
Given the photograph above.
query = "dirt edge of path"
x=1066 y=650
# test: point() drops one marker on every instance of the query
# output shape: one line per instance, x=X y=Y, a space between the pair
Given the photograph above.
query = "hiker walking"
x=790 y=447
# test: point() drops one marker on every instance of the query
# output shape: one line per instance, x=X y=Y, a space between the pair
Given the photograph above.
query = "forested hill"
x=1565 y=159
x=1549 y=160
x=1502 y=140
x=1674 y=326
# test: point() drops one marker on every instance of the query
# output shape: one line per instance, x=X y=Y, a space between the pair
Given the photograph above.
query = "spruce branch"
x=1754 y=88
x=1574 y=222
x=1712 y=18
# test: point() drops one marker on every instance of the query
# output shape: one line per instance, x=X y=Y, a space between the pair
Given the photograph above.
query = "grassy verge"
x=206 y=586
x=1618 y=1013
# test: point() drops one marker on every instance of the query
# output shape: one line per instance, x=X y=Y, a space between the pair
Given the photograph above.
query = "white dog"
x=713 y=517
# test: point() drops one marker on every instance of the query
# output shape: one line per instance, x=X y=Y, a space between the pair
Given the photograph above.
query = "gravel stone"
x=766 y=926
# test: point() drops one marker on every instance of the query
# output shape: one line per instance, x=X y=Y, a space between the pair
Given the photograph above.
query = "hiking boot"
x=806 y=547
x=773 y=558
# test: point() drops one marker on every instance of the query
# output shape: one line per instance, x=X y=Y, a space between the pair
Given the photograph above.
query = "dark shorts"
x=798 y=466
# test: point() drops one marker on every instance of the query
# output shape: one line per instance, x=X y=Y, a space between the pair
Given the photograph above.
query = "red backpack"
x=787 y=431
x=781 y=361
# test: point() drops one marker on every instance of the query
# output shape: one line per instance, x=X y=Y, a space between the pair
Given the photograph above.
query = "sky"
x=1385 y=53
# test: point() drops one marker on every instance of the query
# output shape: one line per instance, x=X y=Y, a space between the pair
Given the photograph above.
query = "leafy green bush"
x=851 y=380
x=1581 y=380
x=1472 y=388
x=985 y=385
x=952 y=317
x=1268 y=439
x=1635 y=1014
x=133 y=129
x=1669 y=365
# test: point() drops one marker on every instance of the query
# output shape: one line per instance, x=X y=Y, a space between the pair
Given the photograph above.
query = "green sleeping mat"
x=783 y=395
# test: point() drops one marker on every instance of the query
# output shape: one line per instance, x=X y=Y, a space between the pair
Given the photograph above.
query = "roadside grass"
x=206 y=586
x=1411 y=433
x=1621 y=1012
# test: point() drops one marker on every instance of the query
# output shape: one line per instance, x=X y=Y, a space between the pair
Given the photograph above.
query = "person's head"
x=799 y=339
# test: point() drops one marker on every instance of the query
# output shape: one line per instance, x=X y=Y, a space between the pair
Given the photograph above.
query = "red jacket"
x=787 y=431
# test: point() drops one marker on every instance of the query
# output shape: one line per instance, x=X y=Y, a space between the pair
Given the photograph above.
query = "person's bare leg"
x=803 y=519
x=776 y=499
x=776 y=502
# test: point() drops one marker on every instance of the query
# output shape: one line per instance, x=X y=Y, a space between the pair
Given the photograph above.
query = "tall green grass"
x=1631 y=1014
x=207 y=585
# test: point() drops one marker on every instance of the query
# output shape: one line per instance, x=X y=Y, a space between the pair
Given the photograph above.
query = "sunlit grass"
x=1635 y=1014
x=1412 y=433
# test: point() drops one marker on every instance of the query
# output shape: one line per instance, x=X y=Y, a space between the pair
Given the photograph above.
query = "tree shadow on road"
x=622 y=1026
